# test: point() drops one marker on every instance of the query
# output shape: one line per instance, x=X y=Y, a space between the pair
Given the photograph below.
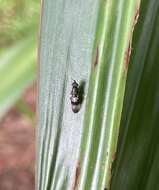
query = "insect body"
x=75 y=97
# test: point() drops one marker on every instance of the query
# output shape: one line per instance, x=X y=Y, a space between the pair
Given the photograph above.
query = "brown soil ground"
x=17 y=148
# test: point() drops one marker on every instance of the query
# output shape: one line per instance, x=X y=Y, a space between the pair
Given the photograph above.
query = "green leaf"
x=137 y=166
x=17 y=71
x=90 y=42
x=106 y=91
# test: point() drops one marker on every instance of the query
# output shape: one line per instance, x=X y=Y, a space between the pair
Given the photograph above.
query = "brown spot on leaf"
x=77 y=173
x=96 y=57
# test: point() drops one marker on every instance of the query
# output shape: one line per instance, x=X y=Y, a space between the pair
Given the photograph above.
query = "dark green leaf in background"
x=137 y=167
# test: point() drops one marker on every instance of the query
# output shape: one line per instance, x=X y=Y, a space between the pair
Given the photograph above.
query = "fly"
x=75 y=97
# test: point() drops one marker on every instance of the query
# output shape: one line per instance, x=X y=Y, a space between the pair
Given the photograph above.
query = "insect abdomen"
x=76 y=107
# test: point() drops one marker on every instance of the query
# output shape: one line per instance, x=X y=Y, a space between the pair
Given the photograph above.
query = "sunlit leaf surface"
x=90 y=42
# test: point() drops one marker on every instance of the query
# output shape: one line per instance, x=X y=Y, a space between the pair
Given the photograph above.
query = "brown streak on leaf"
x=110 y=179
x=114 y=157
x=128 y=50
x=136 y=17
x=127 y=56
x=111 y=168
x=77 y=173
x=96 y=57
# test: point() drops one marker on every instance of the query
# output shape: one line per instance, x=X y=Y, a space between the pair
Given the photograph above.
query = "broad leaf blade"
x=67 y=36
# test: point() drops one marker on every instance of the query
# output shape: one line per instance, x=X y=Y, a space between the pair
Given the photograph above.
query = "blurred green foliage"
x=18 y=18
x=19 y=24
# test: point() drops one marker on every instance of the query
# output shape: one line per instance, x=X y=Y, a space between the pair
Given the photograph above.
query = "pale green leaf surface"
x=65 y=54
x=68 y=36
